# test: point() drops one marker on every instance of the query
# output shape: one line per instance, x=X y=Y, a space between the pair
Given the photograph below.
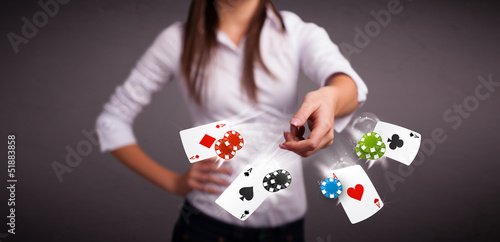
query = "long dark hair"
x=200 y=40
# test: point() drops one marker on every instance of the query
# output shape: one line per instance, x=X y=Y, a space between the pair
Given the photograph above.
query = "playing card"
x=199 y=141
x=245 y=194
x=401 y=144
x=359 y=198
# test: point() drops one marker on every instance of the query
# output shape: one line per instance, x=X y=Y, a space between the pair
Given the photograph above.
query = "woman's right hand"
x=200 y=176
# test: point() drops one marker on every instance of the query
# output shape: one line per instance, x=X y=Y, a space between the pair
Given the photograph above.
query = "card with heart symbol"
x=245 y=194
x=360 y=200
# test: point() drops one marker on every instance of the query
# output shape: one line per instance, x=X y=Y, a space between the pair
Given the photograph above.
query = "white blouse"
x=304 y=46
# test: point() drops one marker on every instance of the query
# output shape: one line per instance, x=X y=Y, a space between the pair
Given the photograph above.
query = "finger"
x=294 y=130
x=203 y=187
x=205 y=165
x=328 y=139
x=313 y=142
x=305 y=110
x=216 y=180
x=222 y=170
x=209 y=189
x=324 y=143
x=297 y=132
x=205 y=168
x=200 y=168
x=290 y=137
x=206 y=178
x=210 y=160
x=322 y=129
x=302 y=129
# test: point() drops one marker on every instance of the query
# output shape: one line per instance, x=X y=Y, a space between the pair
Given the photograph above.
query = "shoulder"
x=164 y=52
x=171 y=34
x=295 y=24
x=290 y=18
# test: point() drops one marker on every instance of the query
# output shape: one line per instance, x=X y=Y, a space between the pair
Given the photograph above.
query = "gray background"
x=426 y=60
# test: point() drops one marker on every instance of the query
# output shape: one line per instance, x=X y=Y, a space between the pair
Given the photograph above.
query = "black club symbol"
x=395 y=142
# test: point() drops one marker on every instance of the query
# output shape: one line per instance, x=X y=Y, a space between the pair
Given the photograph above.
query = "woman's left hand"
x=318 y=109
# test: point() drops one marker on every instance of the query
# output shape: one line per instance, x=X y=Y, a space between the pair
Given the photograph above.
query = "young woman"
x=247 y=52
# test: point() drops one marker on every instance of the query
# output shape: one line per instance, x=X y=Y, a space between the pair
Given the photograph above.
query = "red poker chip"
x=223 y=151
x=234 y=140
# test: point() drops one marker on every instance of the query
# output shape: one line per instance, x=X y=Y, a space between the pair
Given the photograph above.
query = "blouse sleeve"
x=320 y=59
x=155 y=68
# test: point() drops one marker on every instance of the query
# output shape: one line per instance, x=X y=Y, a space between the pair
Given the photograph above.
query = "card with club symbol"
x=401 y=144
x=245 y=194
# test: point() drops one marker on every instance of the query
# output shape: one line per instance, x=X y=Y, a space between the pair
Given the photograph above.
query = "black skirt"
x=193 y=225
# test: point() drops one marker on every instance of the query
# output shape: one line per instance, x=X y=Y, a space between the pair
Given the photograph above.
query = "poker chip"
x=277 y=180
x=331 y=187
x=370 y=146
x=223 y=151
x=233 y=140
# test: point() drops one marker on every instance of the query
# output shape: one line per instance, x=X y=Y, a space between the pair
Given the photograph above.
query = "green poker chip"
x=371 y=146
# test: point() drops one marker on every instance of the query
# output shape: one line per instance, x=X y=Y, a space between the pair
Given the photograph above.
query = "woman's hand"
x=200 y=176
x=319 y=109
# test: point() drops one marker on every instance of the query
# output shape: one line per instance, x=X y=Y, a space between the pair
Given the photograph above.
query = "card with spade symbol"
x=401 y=144
x=359 y=198
x=245 y=194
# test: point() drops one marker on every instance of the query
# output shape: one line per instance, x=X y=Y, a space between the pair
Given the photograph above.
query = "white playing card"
x=401 y=144
x=199 y=141
x=359 y=198
x=245 y=194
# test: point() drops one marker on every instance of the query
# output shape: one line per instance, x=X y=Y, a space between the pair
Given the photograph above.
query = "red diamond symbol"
x=207 y=141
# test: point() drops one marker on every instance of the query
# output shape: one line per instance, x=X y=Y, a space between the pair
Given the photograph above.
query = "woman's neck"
x=235 y=16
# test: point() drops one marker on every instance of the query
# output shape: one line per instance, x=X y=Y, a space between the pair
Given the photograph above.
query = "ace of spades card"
x=401 y=144
x=245 y=194
x=359 y=199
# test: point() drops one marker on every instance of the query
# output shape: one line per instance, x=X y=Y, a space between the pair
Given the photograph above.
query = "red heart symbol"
x=376 y=202
x=356 y=192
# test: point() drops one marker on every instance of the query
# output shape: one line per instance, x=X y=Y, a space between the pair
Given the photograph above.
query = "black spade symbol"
x=395 y=142
x=246 y=193
x=245 y=214
x=247 y=173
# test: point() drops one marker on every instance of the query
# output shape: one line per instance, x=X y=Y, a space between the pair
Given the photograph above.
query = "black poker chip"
x=277 y=180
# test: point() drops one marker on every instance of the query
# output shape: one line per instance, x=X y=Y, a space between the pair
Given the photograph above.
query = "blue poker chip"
x=331 y=187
